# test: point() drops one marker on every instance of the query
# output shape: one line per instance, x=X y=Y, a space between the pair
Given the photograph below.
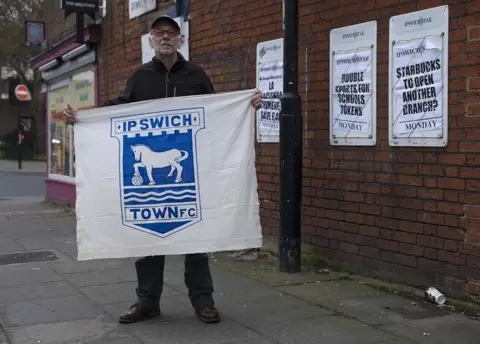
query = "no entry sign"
x=22 y=93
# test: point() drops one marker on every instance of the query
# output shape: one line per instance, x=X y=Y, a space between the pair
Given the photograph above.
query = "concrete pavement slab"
x=452 y=328
x=74 y=266
x=60 y=242
x=114 y=340
x=23 y=274
x=259 y=340
x=399 y=341
x=92 y=331
x=119 y=292
x=383 y=308
x=327 y=329
x=44 y=311
x=37 y=291
x=322 y=292
x=106 y=276
x=191 y=331
x=368 y=305
x=266 y=270
x=110 y=293
x=274 y=308
x=225 y=283
x=173 y=308
x=240 y=265
x=9 y=245
x=276 y=279
x=24 y=213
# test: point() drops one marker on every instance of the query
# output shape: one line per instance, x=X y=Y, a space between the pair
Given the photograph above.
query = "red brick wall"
x=404 y=213
x=120 y=51
x=409 y=214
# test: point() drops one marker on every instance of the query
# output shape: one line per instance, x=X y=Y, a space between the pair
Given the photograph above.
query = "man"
x=167 y=75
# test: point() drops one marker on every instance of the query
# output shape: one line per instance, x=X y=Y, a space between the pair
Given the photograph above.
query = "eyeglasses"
x=160 y=33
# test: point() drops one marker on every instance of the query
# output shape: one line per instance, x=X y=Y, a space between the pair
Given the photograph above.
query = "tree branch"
x=14 y=52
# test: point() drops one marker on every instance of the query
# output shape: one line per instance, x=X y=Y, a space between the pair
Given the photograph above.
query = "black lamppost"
x=291 y=127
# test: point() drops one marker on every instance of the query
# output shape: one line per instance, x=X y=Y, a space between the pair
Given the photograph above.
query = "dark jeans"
x=197 y=279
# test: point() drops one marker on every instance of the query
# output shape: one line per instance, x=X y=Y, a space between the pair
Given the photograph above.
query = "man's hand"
x=256 y=99
x=70 y=114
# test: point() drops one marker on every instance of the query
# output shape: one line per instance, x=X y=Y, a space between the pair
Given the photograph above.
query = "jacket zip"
x=167 y=81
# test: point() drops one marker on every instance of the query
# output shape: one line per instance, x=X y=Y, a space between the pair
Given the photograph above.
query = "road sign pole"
x=291 y=127
x=20 y=141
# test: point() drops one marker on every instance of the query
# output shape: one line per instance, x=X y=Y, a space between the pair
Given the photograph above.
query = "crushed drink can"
x=433 y=295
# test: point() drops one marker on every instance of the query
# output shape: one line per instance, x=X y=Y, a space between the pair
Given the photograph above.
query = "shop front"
x=70 y=74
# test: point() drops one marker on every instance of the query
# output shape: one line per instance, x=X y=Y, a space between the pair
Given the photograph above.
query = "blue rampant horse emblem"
x=159 y=188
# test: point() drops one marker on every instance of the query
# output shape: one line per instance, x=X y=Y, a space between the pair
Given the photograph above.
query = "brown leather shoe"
x=208 y=314
x=136 y=313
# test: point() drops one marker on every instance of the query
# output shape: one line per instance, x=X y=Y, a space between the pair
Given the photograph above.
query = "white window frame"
x=64 y=80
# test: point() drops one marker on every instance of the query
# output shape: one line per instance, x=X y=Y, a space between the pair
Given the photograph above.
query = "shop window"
x=59 y=132
x=79 y=91
x=83 y=90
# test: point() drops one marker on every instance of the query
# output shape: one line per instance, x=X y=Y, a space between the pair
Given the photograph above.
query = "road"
x=19 y=185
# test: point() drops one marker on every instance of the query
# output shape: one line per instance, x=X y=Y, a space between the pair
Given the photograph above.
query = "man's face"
x=165 y=39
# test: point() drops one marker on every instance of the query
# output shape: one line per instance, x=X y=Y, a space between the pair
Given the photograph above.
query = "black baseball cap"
x=166 y=18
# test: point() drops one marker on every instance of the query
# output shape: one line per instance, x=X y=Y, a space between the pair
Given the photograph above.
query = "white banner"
x=270 y=83
x=418 y=84
x=168 y=176
x=352 y=93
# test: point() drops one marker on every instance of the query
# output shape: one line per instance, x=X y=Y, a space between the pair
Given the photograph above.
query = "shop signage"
x=35 y=33
x=86 y=6
x=80 y=7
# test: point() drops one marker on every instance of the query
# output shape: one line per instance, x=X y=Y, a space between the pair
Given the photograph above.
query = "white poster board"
x=270 y=83
x=148 y=53
x=353 y=85
x=418 y=78
x=138 y=7
x=161 y=177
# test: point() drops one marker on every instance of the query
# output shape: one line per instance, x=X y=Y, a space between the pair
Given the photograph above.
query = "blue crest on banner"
x=158 y=169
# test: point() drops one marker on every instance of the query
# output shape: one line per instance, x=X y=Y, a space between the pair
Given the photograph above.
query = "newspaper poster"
x=418 y=86
x=418 y=78
x=352 y=94
x=270 y=83
x=353 y=83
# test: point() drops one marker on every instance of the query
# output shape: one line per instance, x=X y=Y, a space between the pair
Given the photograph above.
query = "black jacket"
x=152 y=81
